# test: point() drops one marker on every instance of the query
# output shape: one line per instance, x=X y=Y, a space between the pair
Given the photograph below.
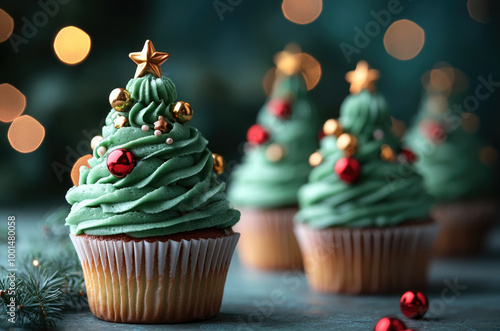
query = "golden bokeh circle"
x=6 y=25
x=404 y=39
x=12 y=103
x=302 y=11
x=72 y=45
x=26 y=134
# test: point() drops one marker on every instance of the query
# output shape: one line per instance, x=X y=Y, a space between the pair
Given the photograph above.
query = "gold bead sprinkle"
x=315 y=159
x=332 y=127
x=347 y=143
x=275 y=152
x=120 y=99
x=182 y=112
x=387 y=154
x=219 y=163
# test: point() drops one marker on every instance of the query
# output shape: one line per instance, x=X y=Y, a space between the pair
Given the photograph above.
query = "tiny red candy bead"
x=120 y=162
x=389 y=324
x=414 y=304
x=348 y=169
x=280 y=108
x=409 y=155
x=433 y=131
x=257 y=135
x=321 y=134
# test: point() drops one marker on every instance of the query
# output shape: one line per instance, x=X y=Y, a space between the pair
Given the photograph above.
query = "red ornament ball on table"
x=408 y=155
x=120 y=162
x=414 y=304
x=390 y=324
x=257 y=135
x=280 y=108
x=348 y=169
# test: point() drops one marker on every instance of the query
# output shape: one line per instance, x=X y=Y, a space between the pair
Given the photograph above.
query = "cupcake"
x=363 y=224
x=456 y=171
x=149 y=219
x=264 y=187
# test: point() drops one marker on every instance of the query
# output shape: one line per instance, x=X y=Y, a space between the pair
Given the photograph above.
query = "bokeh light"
x=470 y=122
x=6 y=25
x=442 y=79
x=36 y=263
x=72 y=45
x=302 y=11
x=445 y=78
x=398 y=127
x=404 y=39
x=437 y=104
x=75 y=171
x=268 y=81
x=488 y=156
x=311 y=70
x=478 y=10
x=12 y=103
x=25 y=134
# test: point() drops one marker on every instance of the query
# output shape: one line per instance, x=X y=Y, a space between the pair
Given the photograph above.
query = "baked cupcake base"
x=464 y=226
x=156 y=280
x=367 y=260
x=267 y=239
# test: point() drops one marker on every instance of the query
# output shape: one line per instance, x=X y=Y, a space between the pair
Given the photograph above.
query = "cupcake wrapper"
x=372 y=260
x=464 y=226
x=157 y=282
x=267 y=239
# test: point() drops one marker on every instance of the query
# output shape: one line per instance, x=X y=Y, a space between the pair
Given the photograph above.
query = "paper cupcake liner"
x=267 y=239
x=157 y=282
x=371 y=260
x=464 y=226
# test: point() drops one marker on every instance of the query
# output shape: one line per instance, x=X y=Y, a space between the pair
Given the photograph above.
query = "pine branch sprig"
x=37 y=299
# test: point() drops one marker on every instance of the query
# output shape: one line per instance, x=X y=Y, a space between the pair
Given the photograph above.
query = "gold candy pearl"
x=387 y=154
x=182 y=112
x=332 y=127
x=315 y=159
x=219 y=163
x=275 y=152
x=120 y=99
x=348 y=143
x=95 y=141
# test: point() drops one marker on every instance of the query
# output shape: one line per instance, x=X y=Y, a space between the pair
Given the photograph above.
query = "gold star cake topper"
x=362 y=78
x=148 y=60
x=289 y=61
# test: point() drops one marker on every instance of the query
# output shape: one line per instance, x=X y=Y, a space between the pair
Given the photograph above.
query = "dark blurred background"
x=220 y=52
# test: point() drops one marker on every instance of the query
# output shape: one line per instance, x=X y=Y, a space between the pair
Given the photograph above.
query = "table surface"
x=473 y=304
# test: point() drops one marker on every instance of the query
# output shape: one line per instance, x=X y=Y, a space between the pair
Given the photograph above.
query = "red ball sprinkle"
x=390 y=324
x=257 y=135
x=280 y=108
x=321 y=134
x=120 y=162
x=348 y=169
x=414 y=304
x=433 y=131
x=408 y=155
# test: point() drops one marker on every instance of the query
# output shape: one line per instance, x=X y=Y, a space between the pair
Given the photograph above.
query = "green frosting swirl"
x=451 y=169
x=385 y=194
x=172 y=188
x=259 y=182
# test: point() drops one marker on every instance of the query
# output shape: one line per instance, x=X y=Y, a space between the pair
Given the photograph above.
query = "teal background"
x=218 y=66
